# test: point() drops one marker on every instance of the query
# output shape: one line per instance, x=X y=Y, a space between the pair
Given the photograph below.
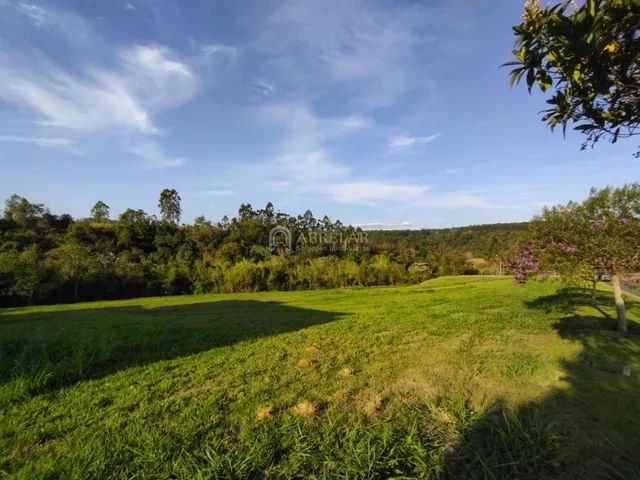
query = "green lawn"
x=461 y=377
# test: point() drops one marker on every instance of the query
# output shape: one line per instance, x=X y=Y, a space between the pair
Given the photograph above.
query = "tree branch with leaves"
x=589 y=55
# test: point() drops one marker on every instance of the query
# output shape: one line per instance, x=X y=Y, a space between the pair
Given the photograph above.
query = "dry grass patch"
x=264 y=413
x=342 y=396
x=372 y=405
x=312 y=350
x=443 y=417
x=304 y=362
x=345 y=372
x=305 y=409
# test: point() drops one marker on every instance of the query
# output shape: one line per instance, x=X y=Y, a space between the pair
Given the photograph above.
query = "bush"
x=279 y=273
x=382 y=271
x=209 y=276
x=246 y=276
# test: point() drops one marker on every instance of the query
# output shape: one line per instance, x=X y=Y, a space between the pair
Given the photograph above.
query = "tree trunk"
x=594 y=284
x=617 y=295
x=75 y=293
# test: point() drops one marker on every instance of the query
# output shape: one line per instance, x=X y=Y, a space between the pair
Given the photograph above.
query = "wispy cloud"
x=400 y=143
x=39 y=141
x=120 y=98
x=38 y=15
x=51 y=20
x=355 y=44
x=302 y=152
x=306 y=164
x=154 y=155
x=120 y=94
x=85 y=104
x=260 y=90
x=154 y=78
x=213 y=50
x=397 y=196
x=455 y=201
x=209 y=193
x=402 y=225
x=373 y=192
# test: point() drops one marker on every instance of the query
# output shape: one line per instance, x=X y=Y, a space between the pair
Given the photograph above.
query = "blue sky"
x=382 y=114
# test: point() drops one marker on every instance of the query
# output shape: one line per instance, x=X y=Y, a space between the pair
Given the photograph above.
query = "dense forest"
x=47 y=258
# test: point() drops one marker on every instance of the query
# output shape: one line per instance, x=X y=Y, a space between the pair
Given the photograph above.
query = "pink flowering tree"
x=581 y=240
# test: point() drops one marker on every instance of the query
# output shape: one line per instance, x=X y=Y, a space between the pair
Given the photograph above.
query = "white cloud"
x=210 y=193
x=120 y=99
x=153 y=154
x=305 y=165
x=260 y=90
x=404 y=225
x=53 y=20
x=455 y=201
x=39 y=141
x=352 y=43
x=309 y=166
x=38 y=15
x=302 y=151
x=399 y=143
x=155 y=79
x=223 y=52
x=343 y=125
x=303 y=128
x=373 y=192
x=79 y=105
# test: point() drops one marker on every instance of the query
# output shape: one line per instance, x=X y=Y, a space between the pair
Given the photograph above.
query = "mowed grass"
x=462 y=377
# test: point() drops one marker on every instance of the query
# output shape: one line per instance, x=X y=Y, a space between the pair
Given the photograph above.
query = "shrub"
x=245 y=276
x=279 y=273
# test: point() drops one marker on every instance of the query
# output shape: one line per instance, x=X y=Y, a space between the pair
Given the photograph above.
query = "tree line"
x=47 y=258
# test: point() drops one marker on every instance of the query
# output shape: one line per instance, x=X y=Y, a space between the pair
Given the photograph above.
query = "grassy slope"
x=456 y=377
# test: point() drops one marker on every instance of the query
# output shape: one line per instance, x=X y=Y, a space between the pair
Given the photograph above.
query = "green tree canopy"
x=100 y=211
x=589 y=55
x=579 y=240
x=73 y=262
x=21 y=211
x=169 y=205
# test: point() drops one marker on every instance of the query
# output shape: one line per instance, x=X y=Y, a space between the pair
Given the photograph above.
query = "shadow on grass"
x=568 y=300
x=589 y=428
x=91 y=343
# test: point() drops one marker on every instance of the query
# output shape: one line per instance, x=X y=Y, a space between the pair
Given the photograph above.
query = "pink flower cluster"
x=566 y=247
x=524 y=266
x=599 y=223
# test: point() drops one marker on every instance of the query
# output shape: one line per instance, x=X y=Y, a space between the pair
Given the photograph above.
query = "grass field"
x=461 y=377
